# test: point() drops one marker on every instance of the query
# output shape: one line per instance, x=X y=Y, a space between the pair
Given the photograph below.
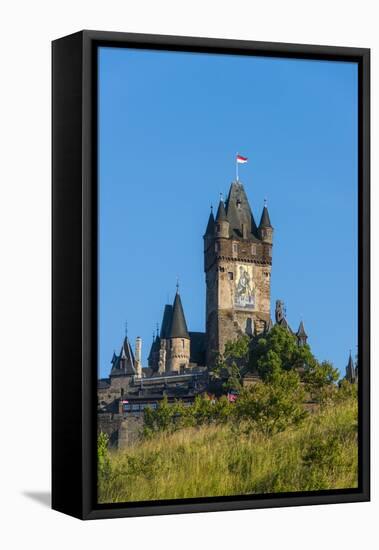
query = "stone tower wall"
x=227 y=317
x=178 y=354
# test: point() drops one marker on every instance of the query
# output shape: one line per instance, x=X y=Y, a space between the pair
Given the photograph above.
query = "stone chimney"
x=138 y=356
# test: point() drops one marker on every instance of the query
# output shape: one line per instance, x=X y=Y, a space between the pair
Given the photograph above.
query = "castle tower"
x=178 y=339
x=301 y=335
x=237 y=265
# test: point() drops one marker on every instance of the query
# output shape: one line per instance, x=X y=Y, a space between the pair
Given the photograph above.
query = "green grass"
x=221 y=460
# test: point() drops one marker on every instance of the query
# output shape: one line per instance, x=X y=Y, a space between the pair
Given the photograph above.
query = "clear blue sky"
x=169 y=127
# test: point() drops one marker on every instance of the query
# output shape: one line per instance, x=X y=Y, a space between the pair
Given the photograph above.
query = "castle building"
x=237 y=265
x=176 y=350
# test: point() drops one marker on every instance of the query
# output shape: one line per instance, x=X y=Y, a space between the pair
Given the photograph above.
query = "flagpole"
x=237 y=167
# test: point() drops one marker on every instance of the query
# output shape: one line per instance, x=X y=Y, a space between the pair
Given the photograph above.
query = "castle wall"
x=122 y=432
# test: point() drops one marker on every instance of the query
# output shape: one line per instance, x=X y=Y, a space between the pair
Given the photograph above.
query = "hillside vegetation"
x=318 y=453
x=294 y=430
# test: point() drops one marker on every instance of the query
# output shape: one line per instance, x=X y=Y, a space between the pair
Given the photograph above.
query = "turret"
x=222 y=223
x=265 y=228
x=301 y=335
x=178 y=340
x=351 y=372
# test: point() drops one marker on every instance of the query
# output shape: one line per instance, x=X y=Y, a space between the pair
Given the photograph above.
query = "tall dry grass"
x=222 y=460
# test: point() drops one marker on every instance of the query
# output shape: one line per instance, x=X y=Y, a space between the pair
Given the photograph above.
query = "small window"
x=183 y=344
x=230 y=275
x=254 y=249
x=235 y=248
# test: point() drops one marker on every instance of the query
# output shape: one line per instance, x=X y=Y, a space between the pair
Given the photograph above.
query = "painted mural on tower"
x=244 y=290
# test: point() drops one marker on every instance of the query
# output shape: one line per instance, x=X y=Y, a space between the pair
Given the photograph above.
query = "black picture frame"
x=74 y=272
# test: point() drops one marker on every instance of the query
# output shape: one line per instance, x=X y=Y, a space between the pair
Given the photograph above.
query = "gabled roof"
x=238 y=212
x=178 y=327
x=211 y=224
x=103 y=384
x=166 y=321
x=124 y=363
x=284 y=323
x=265 y=218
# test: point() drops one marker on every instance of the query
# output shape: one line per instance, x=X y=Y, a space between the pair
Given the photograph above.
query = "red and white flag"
x=241 y=160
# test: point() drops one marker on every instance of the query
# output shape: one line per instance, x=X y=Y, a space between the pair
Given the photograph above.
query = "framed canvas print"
x=210 y=274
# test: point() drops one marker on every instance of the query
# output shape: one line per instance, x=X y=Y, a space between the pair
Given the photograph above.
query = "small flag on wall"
x=241 y=159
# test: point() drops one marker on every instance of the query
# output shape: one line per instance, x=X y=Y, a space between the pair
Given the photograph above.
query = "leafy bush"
x=274 y=405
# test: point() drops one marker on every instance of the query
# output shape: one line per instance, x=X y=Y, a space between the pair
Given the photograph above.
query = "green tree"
x=273 y=405
x=227 y=371
x=278 y=350
x=159 y=420
x=320 y=381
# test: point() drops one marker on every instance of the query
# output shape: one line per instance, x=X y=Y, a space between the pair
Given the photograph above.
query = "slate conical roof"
x=166 y=321
x=221 y=213
x=238 y=211
x=265 y=218
x=178 y=327
x=350 y=364
x=211 y=224
x=301 y=331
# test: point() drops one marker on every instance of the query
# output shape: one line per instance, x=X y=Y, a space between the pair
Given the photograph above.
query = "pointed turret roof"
x=265 y=218
x=301 y=331
x=155 y=346
x=178 y=327
x=211 y=224
x=124 y=362
x=238 y=211
x=221 y=213
x=166 y=321
x=350 y=370
x=269 y=325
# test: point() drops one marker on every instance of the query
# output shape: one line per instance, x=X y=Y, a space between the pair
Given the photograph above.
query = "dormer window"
x=238 y=204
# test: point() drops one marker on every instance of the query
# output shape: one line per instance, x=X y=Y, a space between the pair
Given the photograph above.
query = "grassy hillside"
x=219 y=460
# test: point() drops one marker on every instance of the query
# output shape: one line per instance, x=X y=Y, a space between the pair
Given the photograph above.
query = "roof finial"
x=221 y=197
x=211 y=208
x=126 y=329
x=157 y=329
x=265 y=202
x=177 y=285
